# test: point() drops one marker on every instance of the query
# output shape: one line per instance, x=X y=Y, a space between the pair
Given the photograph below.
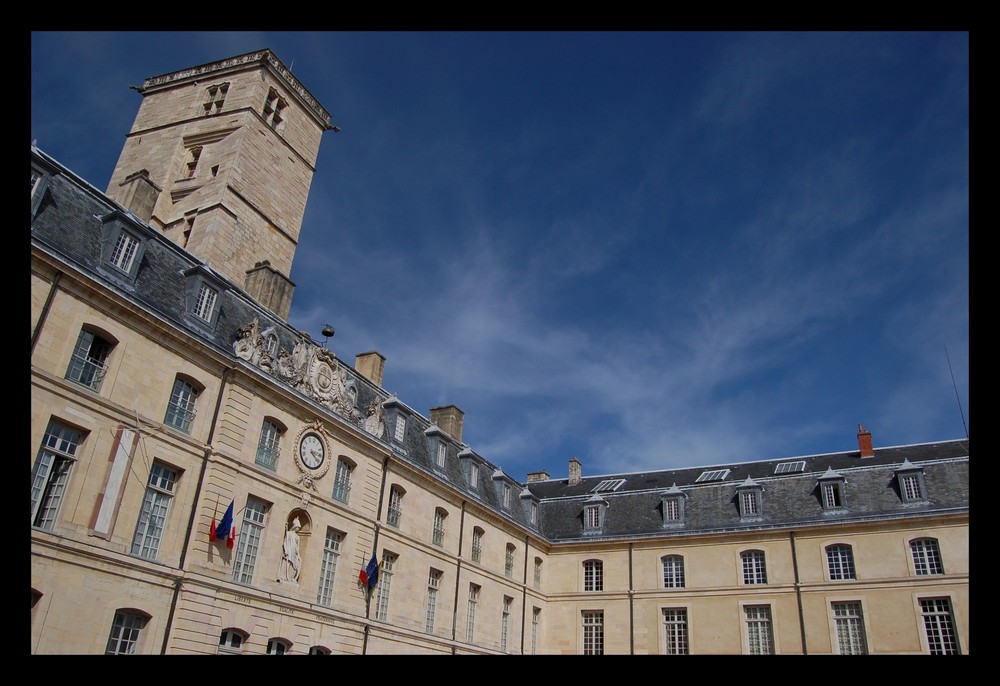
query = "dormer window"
x=203 y=291
x=831 y=490
x=594 y=513
x=437 y=445
x=672 y=505
x=749 y=497
x=910 y=479
x=122 y=247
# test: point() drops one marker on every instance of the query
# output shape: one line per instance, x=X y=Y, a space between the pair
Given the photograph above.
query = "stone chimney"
x=370 y=365
x=575 y=471
x=865 y=442
x=538 y=476
x=449 y=418
x=138 y=193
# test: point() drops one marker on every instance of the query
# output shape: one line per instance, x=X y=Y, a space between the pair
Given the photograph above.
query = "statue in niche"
x=291 y=558
x=375 y=418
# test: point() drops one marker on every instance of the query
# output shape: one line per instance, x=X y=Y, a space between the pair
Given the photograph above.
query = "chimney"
x=538 y=476
x=865 y=442
x=370 y=365
x=138 y=193
x=449 y=419
x=575 y=471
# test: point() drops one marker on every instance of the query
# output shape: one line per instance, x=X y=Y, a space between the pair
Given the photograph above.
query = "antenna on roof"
x=956 y=392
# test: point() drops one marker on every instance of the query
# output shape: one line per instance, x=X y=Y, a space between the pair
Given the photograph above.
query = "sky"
x=645 y=250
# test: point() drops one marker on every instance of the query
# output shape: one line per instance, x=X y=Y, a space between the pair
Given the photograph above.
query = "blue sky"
x=645 y=250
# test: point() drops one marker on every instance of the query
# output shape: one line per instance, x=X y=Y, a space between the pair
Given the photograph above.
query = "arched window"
x=278 y=646
x=840 y=562
x=88 y=365
x=126 y=630
x=673 y=571
x=593 y=575
x=754 y=567
x=269 y=445
x=231 y=641
x=926 y=556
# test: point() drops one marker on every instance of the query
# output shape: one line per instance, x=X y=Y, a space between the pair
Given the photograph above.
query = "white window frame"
x=126 y=631
x=508 y=561
x=328 y=567
x=442 y=453
x=231 y=641
x=249 y=541
x=754 y=564
x=593 y=632
x=399 y=430
x=51 y=472
x=277 y=646
x=673 y=571
x=395 y=512
x=124 y=252
x=437 y=535
x=342 y=480
x=538 y=573
x=536 y=620
x=181 y=407
x=849 y=627
x=840 y=562
x=926 y=555
x=384 y=584
x=474 y=476
x=88 y=364
x=675 y=631
x=940 y=629
x=204 y=306
x=505 y=623
x=154 y=511
x=470 y=622
x=269 y=445
x=593 y=576
x=750 y=502
x=433 y=584
x=759 y=626
x=477 y=544
x=506 y=496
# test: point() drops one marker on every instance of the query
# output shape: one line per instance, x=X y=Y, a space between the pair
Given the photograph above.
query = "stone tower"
x=220 y=158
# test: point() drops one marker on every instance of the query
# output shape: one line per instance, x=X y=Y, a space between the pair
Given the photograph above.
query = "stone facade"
x=152 y=412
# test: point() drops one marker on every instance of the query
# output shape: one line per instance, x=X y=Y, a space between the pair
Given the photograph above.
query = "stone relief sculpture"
x=375 y=419
x=308 y=368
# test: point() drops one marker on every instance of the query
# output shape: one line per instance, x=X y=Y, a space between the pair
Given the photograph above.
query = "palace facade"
x=167 y=385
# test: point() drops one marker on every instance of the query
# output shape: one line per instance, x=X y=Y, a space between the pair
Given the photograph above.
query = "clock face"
x=312 y=452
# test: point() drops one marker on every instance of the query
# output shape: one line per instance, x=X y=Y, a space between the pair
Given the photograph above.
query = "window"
x=760 y=634
x=939 y=625
x=850 y=628
x=477 y=544
x=533 y=514
x=754 y=570
x=538 y=573
x=124 y=252
x=508 y=561
x=926 y=557
x=505 y=623
x=87 y=365
x=608 y=485
x=673 y=571
x=675 y=629
x=840 y=562
x=506 y=496
x=790 y=467
x=470 y=625
x=254 y=518
x=231 y=642
x=593 y=575
x=831 y=488
x=712 y=475
x=911 y=483
x=474 y=476
x=395 y=507
x=153 y=514
x=384 y=583
x=400 y=428
x=319 y=650
x=536 y=615
x=442 y=452
x=593 y=514
x=50 y=473
x=216 y=97
x=328 y=569
x=342 y=480
x=277 y=646
x=205 y=305
x=274 y=105
x=181 y=407
x=125 y=632
x=593 y=632
x=433 y=584
x=269 y=445
x=438 y=534
x=749 y=494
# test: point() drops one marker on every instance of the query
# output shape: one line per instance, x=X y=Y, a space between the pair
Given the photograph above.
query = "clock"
x=312 y=451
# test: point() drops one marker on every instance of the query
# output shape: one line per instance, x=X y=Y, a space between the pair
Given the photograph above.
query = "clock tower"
x=220 y=159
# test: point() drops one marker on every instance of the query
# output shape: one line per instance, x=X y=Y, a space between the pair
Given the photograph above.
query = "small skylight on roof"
x=608 y=485
x=790 y=467
x=713 y=475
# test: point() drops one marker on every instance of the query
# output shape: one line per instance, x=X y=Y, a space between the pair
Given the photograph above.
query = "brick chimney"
x=575 y=471
x=449 y=419
x=538 y=476
x=370 y=365
x=865 y=442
